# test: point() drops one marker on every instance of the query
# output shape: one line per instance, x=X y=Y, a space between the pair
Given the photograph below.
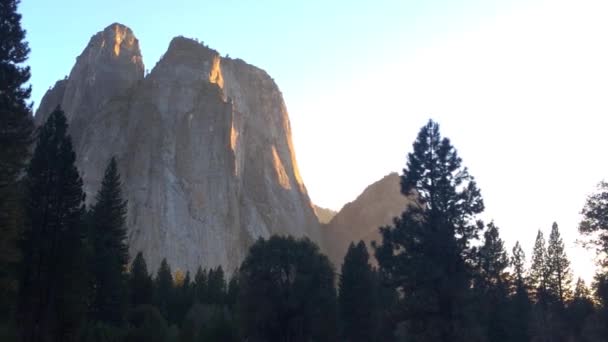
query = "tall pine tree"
x=164 y=289
x=141 y=286
x=200 y=285
x=520 y=301
x=54 y=286
x=426 y=253
x=357 y=296
x=492 y=285
x=15 y=137
x=539 y=271
x=110 y=255
x=558 y=265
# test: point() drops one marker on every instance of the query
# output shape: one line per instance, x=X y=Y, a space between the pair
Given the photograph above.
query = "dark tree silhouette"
x=357 y=296
x=54 y=287
x=141 y=285
x=110 y=255
x=287 y=292
x=15 y=137
x=426 y=253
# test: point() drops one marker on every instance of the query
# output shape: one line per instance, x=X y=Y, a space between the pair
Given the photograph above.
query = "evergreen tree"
x=141 y=287
x=110 y=255
x=183 y=297
x=595 y=218
x=357 y=296
x=558 y=266
x=164 y=289
x=539 y=271
x=518 y=262
x=579 y=310
x=200 y=285
x=286 y=292
x=15 y=137
x=233 y=291
x=216 y=286
x=520 y=301
x=426 y=253
x=492 y=285
x=54 y=286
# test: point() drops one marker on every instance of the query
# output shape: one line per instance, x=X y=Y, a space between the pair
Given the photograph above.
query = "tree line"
x=441 y=273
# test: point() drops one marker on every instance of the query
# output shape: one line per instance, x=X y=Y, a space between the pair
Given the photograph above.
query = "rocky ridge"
x=361 y=219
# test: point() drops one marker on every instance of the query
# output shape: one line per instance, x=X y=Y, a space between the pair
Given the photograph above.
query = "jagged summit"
x=203 y=144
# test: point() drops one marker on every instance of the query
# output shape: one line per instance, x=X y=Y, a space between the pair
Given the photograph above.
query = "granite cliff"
x=203 y=144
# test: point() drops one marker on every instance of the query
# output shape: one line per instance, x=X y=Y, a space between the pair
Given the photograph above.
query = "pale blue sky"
x=520 y=87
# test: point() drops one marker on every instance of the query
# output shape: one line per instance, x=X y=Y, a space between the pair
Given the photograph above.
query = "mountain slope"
x=361 y=219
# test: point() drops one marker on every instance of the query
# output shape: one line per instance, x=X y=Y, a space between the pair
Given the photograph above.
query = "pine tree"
x=141 y=287
x=233 y=291
x=579 y=309
x=184 y=296
x=595 y=218
x=164 y=289
x=110 y=255
x=200 y=285
x=518 y=261
x=539 y=272
x=493 y=261
x=15 y=137
x=558 y=265
x=520 y=301
x=216 y=286
x=426 y=253
x=492 y=285
x=357 y=296
x=54 y=286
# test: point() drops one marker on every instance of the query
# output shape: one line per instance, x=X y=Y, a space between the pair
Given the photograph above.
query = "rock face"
x=323 y=214
x=361 y=219
x=203 y=145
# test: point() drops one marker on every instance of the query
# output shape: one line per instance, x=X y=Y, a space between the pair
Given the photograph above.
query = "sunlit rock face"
x=203 y=146
x=361 y=219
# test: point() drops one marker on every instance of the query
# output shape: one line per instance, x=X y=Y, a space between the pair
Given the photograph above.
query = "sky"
x=520 y=87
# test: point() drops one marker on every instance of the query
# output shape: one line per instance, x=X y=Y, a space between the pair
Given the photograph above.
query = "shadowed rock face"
x=361 y=219
x=203 y=145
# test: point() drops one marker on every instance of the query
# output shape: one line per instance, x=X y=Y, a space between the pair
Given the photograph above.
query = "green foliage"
x=110 y=255
x=427 y=252
x=357 y=296
x=140 y=283
x=55 y=283
x=16 y=128
x=287 y=292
